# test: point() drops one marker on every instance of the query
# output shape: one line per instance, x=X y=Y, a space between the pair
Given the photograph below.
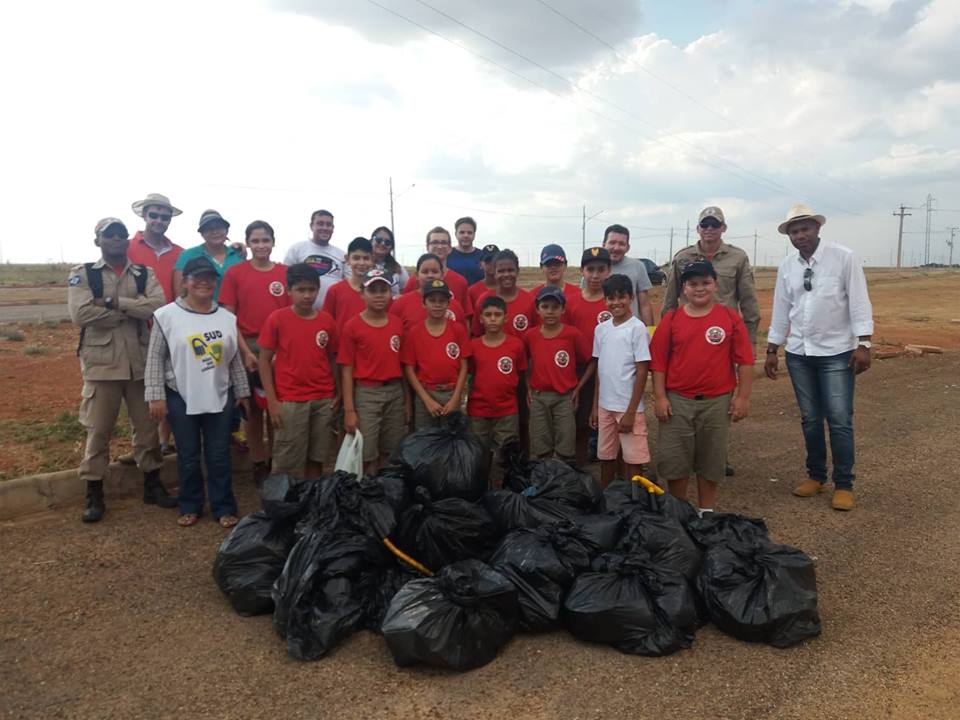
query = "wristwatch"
x=108 y=302
x=865 y=344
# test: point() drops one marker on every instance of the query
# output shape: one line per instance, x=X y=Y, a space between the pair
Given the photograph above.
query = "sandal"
x=188 y=520
x=228 y=521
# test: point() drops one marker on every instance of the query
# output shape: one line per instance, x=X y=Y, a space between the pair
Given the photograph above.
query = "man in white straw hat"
x=822 y=312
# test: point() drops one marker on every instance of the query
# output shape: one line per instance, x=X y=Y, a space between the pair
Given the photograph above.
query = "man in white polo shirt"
x=822 y=312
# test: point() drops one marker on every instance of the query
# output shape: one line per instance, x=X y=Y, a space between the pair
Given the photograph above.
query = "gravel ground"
x=123 y=619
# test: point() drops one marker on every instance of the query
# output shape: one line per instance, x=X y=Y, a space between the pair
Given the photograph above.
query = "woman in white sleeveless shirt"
x=194 y=375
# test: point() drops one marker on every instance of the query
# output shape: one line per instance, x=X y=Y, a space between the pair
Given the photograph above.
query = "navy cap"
x=207 y=217
x=552 y=252
x=487 y=253
x=595 y=253
x=698 y=268
x=436 y=286
x=552 y=293
x=199 y=266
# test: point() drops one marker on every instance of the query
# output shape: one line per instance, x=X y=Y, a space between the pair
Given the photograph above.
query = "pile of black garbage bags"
x=448 y=571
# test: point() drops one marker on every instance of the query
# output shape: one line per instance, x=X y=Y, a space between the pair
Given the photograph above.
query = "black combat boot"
x=154 y=492
x=95 y=508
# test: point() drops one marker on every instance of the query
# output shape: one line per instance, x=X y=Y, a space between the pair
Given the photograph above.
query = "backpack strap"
x=140 y=277
x=94 y=280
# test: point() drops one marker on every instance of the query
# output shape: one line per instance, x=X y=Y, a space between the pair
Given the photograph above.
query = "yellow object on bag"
x=651 y=487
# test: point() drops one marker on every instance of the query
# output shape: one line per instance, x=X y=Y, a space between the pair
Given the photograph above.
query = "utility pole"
x=926 y=234
x=754 y=247
x=901 y=213
x=671 y=242
x=583 y=227
x=953 y=233
x=688 y=232
x=391 y=208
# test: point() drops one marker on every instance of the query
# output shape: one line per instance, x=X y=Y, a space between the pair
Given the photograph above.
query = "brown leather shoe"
x=808 y=488
x=842 y=500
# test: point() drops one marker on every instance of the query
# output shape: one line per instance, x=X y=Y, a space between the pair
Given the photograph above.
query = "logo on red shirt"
x=505 y=364
x=322 y=339
x=715 y=335
x=520 y=322
x=395 y=343
x=451 y=315
x=562 y=358
x=603 y=316
x=453 y=350
x=276 y=288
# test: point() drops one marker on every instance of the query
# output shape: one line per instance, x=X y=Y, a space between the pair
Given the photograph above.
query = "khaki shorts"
x=494 y=432
x=423 y=419
x=553 y=425
x=380 y=410
x=306 y=433
x=694 y=441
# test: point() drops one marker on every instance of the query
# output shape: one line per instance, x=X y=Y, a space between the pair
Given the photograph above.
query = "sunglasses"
x=808 y=279
x=203 y=277
x=159 y=216
x=115 y=234
x=383 y=241
x=710 y=224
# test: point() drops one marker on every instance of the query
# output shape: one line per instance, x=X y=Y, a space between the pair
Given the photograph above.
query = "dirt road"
x=123 y=619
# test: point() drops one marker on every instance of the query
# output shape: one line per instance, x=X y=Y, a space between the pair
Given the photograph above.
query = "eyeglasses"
x=159 y=216
x=710 y=223
x=807 y=279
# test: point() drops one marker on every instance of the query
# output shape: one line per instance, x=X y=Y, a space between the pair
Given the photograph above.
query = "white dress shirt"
x=828 y=318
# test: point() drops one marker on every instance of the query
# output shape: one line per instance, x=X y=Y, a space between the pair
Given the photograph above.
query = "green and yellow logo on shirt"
x=207 y=347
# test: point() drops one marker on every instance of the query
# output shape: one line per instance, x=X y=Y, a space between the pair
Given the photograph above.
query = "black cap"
x=551 y=292
x=595 y=253
x=199 y=266
x=487 y=253
x=436 y=286
x=698 y=268
x=208 y=217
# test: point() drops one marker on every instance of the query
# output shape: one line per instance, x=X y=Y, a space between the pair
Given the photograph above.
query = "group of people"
x=333 y=342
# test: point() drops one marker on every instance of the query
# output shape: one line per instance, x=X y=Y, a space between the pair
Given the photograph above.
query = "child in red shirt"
x=698 y=354
x=410 y=307
x=374 y=396
x=440 y=244
x=521 y=310
x=344 y=299
x=555 y=352
x=553 y=264
x=252 y=290
x=296 y=365
x=489 y=284
x=499 y=361
x=434 y=354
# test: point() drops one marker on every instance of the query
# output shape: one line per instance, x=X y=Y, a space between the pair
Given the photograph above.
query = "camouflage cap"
x=107 y=222
x=711 y=212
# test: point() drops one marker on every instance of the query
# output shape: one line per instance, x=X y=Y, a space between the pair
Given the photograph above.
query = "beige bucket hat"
x=154 y=199
x=800 y=212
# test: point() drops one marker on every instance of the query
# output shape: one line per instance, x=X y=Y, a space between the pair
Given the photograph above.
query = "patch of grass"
x=63 y=428
x=12 y=335
x=35 y=350
x=14 y=274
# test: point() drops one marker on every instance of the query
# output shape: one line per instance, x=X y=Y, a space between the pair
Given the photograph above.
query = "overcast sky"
x=517 y=112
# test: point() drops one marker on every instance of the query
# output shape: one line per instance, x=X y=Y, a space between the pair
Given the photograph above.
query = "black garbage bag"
x=760 y=592
x=283 y=496
x=345 y=503
x=726 y=528
x=665 y=539
x=449 y=461
x=458 y=620
x=599 y=532
x=542 y=565
x=437 y=533
x=511 y=510
x=624 y=496
x=550 y=479
x=250 y=559
x=319 y=596
x=627 y=601
x=377 y=589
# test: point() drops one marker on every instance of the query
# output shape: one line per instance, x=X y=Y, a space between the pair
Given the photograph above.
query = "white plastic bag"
x=350 y=457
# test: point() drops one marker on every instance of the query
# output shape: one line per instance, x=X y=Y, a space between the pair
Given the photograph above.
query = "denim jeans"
x=824 y=389
x=211 y=433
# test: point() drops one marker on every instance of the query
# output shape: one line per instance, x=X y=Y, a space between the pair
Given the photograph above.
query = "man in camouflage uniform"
x=111 y=301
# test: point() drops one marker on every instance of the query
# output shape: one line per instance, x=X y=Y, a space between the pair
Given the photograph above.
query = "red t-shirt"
x=436 y=360
x=374 y=352
x=409 y=308
x=254 y=294
x=553 y=361
x=343 y=303
x=455 y=281
x=473 y=295
x=698 y=354
x=521 y=314
x=585 y=315
x=301 y=369
x=570 y=294
x=496 y=375
x=140 y=252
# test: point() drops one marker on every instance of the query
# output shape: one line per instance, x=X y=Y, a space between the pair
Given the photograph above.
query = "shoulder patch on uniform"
x=74 y=280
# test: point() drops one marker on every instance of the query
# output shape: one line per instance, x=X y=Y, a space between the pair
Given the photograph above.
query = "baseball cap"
x=698 y=268
x=595 y=253
x=552 y=293
x=199 y=266
x=376 y=275
x=436 y=286
x=552 y=252
x=487 y=253
x=711 y=212
x=211 y=216
x=107 y=222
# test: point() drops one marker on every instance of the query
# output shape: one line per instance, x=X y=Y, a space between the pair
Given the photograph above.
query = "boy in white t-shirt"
x=621 y=347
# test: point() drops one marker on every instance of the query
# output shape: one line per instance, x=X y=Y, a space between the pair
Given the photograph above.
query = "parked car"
x=657 y=276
